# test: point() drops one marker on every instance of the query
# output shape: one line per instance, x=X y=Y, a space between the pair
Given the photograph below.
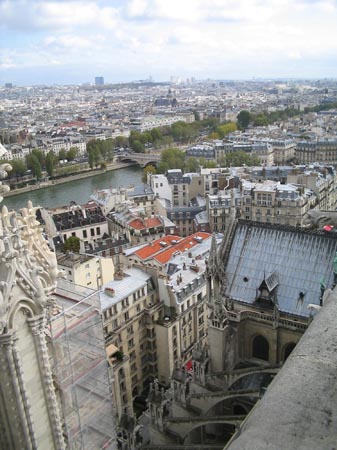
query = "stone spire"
x=29 y=416
x=214 y=274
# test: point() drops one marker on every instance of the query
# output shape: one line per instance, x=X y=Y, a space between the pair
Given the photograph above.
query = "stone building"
x=273 y=202
x=265 y=284
x=322 y=150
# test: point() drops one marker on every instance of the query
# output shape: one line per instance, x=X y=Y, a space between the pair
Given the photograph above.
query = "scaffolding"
x=80 y=369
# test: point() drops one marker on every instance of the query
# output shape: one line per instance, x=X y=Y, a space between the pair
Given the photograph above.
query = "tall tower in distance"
x=99 y=81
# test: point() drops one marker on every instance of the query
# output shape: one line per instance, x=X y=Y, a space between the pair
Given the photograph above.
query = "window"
x=85 y=234
x=98 y=231
x=92 y=232
x=260 y=348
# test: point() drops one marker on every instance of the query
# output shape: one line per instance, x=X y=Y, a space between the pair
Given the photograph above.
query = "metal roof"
x=301 y=260
x=133 y=280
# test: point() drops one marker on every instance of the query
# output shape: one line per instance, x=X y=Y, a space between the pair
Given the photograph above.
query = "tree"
x=50 y=163
x=18 y=168
x=72 y=244
x=62 y=154
x=171 y=158
x=243 y=119
x=39 y=155
x=191 y=165
x=138 y=147
x=71 y=154
x=156 y=134
x=225 y=129
x=148 y=170
x=34 y=165
x=260 y=120
x=121 y=141
x=91 y=159
x=240 y=158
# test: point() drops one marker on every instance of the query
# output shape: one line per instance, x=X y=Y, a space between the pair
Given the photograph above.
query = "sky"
x=71 y=42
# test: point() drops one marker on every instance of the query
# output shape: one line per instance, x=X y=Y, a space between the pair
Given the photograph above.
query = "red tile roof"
x=163 y=253
x=155 y=246
x=141 y=224
x=184 y=244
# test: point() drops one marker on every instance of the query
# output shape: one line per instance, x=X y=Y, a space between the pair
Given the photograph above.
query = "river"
x=79 y=190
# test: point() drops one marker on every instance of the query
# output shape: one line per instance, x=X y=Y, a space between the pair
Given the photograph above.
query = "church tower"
x=29 y=411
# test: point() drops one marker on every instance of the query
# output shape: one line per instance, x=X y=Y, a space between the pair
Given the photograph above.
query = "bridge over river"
x=143 y=159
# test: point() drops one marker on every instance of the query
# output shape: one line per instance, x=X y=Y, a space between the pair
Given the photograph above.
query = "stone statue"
x=316 y=218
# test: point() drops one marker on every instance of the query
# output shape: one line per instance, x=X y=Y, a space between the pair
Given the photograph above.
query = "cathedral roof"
x=302 y=260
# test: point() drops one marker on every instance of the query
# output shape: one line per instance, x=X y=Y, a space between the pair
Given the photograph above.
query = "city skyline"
x=71 y=42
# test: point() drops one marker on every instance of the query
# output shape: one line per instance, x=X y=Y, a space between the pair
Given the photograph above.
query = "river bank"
x=67 y=179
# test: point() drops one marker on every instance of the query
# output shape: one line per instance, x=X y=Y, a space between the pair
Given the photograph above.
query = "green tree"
x=240 y=158
x=146 y=137
x=121 y=141
x=51 y=160
x=156 y=134
x=62 y=154
x=191 y=165
x=225 y=129
x=71 y=154
x=72 y=244
x=40 y=156
x=134 y=136
x=138 y=147
x=148 y=170
x=260 y=120
x=171 y=158
x=19 y=168
x=91 y=159
x=34 y=165
x=243 y=119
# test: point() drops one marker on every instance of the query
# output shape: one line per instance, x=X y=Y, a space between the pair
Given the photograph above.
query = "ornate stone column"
x=37 y=326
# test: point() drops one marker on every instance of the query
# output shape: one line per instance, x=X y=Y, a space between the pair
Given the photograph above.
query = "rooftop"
x=133 y=280
x=302 y=260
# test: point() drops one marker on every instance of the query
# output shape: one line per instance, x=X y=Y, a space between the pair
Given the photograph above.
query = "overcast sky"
x=71 y=42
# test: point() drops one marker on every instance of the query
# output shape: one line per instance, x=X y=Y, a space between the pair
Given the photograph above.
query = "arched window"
x=260 y=348
x=288 y=349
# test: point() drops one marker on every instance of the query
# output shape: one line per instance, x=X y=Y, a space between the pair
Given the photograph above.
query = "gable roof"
x=302 y=260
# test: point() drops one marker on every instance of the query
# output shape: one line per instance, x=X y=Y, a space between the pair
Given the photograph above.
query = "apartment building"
x=275 y=203
x=178 y=265
x=218 y=209
x=323 y=151
x=86 y=222
x=130 y=306
x=322 y=182
x=86 y=270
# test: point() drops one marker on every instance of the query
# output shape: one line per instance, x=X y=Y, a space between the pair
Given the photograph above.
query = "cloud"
x=161 y=36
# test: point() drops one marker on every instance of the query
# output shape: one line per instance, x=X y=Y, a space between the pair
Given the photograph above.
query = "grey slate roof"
x=301 y=260
x=133 y=280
